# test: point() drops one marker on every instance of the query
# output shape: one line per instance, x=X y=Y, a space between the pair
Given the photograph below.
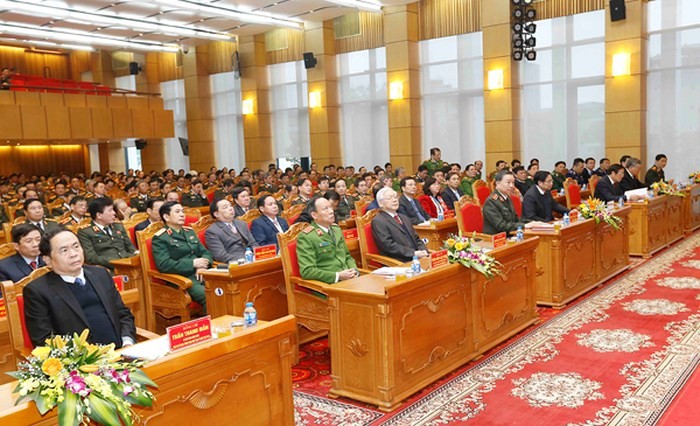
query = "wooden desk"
x=131 y=268
x=389 y=340
x=260 y=282
x=654 y=224
x=437 y=232
x=691 y=208
x=577 y=258
x=245 y=378
x=7 y=361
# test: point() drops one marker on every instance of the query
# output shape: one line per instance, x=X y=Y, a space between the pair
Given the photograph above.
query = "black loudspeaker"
x=134 y=68
x=309 y=60
x=140 y=143
x=618 y=10
x=305 y=163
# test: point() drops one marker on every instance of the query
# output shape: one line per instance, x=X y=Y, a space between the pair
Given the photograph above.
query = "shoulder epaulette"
x=188 y=228
x=308 y=229
x=160 y=232
x=494 y=197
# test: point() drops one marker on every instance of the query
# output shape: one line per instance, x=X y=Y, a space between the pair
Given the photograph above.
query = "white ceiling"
x=304 y=10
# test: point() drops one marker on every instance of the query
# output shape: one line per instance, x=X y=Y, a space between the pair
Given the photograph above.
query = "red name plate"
x=189 y=333
x=3 y=311
x=499 y=240
x=449 y=214
x=438 y=259
x=573 y=215
x=350 y=234
x=265 y=252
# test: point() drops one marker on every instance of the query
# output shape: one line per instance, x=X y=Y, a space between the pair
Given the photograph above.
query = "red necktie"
x=32 y=264
x=398 y=220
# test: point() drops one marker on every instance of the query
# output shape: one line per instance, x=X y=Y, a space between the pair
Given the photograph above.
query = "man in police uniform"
x=139 y=201
x=656 y=172
x=104 y=239
x=195 y=197
x=434 y=163
x=321 y=249
x=177 y=250
x=499 y=213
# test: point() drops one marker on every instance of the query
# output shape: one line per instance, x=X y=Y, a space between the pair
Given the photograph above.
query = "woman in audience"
x=431 y=200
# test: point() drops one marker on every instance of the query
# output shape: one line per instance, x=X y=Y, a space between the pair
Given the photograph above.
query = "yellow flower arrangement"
x=464 y=251
x=694 y=177
x=42 y=352
x=51 y=366
x=594 y=208
x=663 y=188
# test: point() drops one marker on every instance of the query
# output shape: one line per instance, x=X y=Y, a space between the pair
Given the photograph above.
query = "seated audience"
x=153 y=210
x=265 y=228
x=25 y=239
x=538 y=202
x=656 y=172
x=453 y=192
x=609 y=189
x=431 y=200
x=195 y=197
x=629 y=179
x=558 y=176
x=393 y=233
x=34 y=212
x=227 y=238
x=346 y=203
x=522 y=181
x=104 y=239
x=408 y=206
x=499 y=212
x=577 y=172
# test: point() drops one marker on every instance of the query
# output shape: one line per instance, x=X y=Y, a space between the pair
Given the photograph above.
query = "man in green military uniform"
x=346 y=202
x=104 y=239
x=225 y=191
x=499 y=212
x=434 y=163
x=177 y=250
x=267 y=184
x=321 y=249
x=468 y=180
x=141 y=199
x=656 y=172
x=195 y=197
x=558 y=176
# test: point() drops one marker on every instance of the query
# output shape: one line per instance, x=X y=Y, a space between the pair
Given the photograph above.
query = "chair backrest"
x=7 y=250
x=517 y=202
x=287 y=204
x=130 y=224
x=192 y=214
x=145 y=239
x=210 y=192
x=290 y=263
x=367 y=243
x=572 y=192
x=201 y=226
x=362 y=204
x=14 y=304
x=469 y=216
x=250 y=216
x=292 y=213
x=592 y=183
x=481 y=191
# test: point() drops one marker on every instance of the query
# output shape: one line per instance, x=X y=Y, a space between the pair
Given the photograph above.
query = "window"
x=173 y=93
x=453 y=98
x=228 y=121
x=289 y=108
x=363 y=99
x=563 y=98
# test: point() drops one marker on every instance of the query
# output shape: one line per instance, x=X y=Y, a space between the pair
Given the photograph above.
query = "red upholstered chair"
x=481 y=191
x=201 y=226
x=292 y=213
x=250 y=216
x=304 y=297
x=362 y=204
x=572 y=192
x=592 y=183
x=517 y=202
x=469 y=216
x=371 y=259
x=192 y=215
x=210 y=192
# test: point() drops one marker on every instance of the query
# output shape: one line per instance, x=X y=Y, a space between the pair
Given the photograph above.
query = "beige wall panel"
x=116 y=101
x=80 y=123
x=153 y=156
x=625 y=129
x=94 y=102
x=262 y=102
x=11 y=122
x=501 y=104
x=33 y=121
x=265 y=121
x=614 y=154
x=197 y=87
x=200 y=130
x=58 y=122
x=621 y=30
x=7 y=97
x=164 y=123
x=318 y=120
x=402 y=55
x=493 y=13
x=251 y=127
x=198 y=108
x=625 y=93
x=319 y=147
x=143 y=123
x=78 y=100
x=493 y=157
x=404 y=112
x=102 y=126
x=121 y=123
x=52 y=99
x=496 y=41
x=206 y=155
x=28 y=98
x=138 y=102
x=502 y=136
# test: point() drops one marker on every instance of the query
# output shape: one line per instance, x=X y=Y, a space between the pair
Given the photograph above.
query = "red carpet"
x=616 y=357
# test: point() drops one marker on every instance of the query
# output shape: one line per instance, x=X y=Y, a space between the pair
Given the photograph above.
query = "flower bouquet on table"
x=463 y=250
x=694 y=177
x=86 y=381
x=594 y=208
x=665 y=188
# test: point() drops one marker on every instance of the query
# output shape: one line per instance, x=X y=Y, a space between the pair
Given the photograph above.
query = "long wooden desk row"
x=244 y=378
x=656 y=223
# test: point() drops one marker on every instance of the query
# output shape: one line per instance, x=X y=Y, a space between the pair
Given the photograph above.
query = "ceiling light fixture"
x=33 y=43
x=368 y=5
x=239 y=15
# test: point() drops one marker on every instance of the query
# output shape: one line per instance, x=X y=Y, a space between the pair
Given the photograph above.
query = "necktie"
x=398 y=220
x=79 y=282
x=232 y=228
x=415 y=207
x=108 y=231
x=32 y=264
x=330 y=232
x=40 y=226
x=277 y=225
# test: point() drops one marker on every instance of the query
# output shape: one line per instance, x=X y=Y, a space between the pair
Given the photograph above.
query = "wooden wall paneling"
x=257 y=135
x=95 y=101
x=28 y=98
x=155 y=102
x=52 y=99
x=34 y=64
x=57 y=66
x=116 y=101
x=7 y=97
x=80 y=123
x=138 y=102
x=200 y=124
x=143 y=123
x=220 y=56
x=102 y=127
x=13 y=57
x=58 y=122
x=168 y=68
x=121 y=123
x=33 y=122
x=79 y=63
x=80 y=100
x=42 y=159
x=11 y=123
x=164 y=124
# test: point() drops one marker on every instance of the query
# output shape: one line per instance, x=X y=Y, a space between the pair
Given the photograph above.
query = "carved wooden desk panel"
x=654 y=224
x=612 y=247
x=7 y=361
x=691 y=208
x=260 y=282
x=243 y=379
x=437 y=232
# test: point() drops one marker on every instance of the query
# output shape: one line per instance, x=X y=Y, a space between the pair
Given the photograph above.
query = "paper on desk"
x=641 y=192
x=150 y=349
x=390 y=271
x=225 y=271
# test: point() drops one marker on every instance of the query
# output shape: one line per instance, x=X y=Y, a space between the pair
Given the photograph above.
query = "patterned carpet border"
x=314 y=410
x=645 y=398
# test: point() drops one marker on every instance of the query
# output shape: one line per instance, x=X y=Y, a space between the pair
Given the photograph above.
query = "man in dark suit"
x=153 y=210
x=73 y=297
x=408 y=205
x=629 y=178
x=608 y=188
x=393 y=232
x=241 y=199
x=265 y=228
x=453 y=192
x=227 y=238
x=26 y=239
x=538 y=202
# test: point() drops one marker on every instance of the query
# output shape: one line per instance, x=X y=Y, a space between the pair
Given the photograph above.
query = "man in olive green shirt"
x=104 y=239
x=468 y=180
x=434 y=163
x=656 y=172
x=558 y=176
x=321 y=249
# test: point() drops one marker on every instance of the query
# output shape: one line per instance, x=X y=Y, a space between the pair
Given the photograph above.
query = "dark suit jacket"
x=629 y=182
x=14 y=268
x=538 y=206
x=226 y=246
x=264 y=230
x=50 y=308
x=393 y=240
x=606 y=191
x=238 y=210
x=406 y=209
x=449 y=197
x=142 y=225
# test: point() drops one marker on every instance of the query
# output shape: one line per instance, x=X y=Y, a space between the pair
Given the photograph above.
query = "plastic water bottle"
x=415 y=266
x=250 y=315
x=248 y=255
x=519 y=234
x=650 y=194
x=621 y=202
x=441 y=217
x=566 y=219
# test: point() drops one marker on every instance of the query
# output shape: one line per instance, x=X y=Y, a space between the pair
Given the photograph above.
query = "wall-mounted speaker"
x=618 y=10
x=309 y=60
x=134 y=68
x=140 y=143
